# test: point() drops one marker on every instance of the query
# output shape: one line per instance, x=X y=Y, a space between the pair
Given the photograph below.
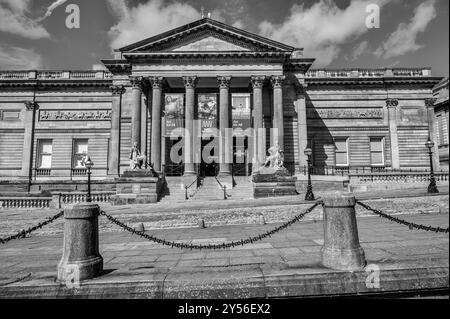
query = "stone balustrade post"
x=341 y=249
x=81 y=258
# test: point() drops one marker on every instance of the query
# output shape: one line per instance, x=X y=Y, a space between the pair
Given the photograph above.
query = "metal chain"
x=23 y=233
x=404 y=222
x=242 y=242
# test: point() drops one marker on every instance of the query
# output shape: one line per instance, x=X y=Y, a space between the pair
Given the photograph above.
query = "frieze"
x=372 y=113
x=75 y=115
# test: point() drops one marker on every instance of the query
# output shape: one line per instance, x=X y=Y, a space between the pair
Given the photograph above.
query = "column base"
x=343 y=259
x=88 y=269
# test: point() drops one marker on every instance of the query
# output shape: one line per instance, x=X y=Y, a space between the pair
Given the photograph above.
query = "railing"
x=223 y=187
x=78 y=197
x=24 y=202
x=54 y=75
x=368 y=73
x=79 y=172
x=43 y=171
x=348 y=170
x=406 y=177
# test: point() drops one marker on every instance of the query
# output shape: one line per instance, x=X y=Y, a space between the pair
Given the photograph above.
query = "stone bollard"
x=341 y=249
x=81 y=258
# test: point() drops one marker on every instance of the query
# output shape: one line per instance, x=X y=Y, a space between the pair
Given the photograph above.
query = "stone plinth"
x=341 y=249
x=81 y=258
x=268 y=182
x=137 y=187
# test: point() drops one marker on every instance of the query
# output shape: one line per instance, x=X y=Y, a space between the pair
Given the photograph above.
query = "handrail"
x=223 y=187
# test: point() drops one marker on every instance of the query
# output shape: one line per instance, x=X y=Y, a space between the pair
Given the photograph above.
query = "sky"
x=411 y=33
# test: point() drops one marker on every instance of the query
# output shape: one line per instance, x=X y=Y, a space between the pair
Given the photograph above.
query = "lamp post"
x=309 y=193
x=89 y=164
x=432 y=188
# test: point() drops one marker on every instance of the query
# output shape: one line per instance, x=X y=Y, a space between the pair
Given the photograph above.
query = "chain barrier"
x=404 y=222
x=231 y=244
x=23 y=233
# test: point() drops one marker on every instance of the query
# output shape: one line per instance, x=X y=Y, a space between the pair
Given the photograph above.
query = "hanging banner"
x=174 y=112
x=207 y=112
x=241 y=114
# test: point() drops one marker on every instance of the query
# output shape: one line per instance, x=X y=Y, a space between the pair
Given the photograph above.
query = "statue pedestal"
x=270 y=182
x=136 y=187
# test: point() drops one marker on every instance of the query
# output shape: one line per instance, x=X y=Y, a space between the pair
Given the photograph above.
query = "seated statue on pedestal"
x=276 y=158
x=137 y=160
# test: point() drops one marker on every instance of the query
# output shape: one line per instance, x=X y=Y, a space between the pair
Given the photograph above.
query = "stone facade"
x=357 y=118
x=441 y=108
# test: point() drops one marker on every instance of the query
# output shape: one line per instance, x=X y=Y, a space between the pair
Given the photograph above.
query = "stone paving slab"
x=285 y=265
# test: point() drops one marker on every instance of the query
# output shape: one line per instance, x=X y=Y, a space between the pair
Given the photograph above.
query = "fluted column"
x=278 y=116
x=190 y=83
x=429 y=103
x=114 y=138
x=392 y=104
x=302 y=130
x=259 y=139
x=224 y=121
x=157 y=83
x=28 y=137
x=136 y=110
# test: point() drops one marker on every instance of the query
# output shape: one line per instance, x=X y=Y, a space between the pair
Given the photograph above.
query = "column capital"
x=277 y=81
x=224 y=81
x=31 y=105
x=117 y=89
x=258 y=81
x=137 y=82
x=391 y=103
x=157 y=82
x=190 y=82
x=429 y=103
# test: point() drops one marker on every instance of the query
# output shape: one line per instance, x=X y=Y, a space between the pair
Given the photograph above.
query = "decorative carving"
x=258 y=81
x=190 y=82
x=117 y=89
x=224 y=81
x=75 y=115
x=31 y=105
x=276 y=158
x=157 y=82
x=429 y=103
x=137 y=82
x=277 y=81
x=391 y=103
x=375 y=113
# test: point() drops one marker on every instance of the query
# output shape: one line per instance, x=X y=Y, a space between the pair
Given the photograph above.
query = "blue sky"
x=412 y=33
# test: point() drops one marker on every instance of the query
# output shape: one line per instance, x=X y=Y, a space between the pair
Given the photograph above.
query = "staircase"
x=243 y=188
x=209 y=190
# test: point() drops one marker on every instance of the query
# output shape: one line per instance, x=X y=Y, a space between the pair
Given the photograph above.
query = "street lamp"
x=309 y=193
x=432 y=188
x=89 y=164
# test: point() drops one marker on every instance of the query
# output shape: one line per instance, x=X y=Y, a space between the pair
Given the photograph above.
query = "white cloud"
x=147 y=19
x=403 y=40
x=322 y=28
x=13 y=20
x=50 y=9
x=16 y=58
x=360 y=49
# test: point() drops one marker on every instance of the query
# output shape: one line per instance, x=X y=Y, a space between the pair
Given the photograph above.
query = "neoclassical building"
x=206 y=77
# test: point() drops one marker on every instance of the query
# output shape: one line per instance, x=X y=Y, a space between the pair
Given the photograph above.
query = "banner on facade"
x=207 y=112
x=241 y=114
x=174 y=112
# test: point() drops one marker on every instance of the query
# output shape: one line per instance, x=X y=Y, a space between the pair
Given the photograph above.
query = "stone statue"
x=137 y=160
x=276 y=158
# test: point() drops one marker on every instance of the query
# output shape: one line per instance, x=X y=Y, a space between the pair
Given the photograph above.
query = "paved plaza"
x=287 y=264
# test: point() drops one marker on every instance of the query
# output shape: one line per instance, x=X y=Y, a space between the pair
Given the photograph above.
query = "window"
x=80 y=150
x=341 y=151
x=45 y=154
x=377 y=151
x=441 y=129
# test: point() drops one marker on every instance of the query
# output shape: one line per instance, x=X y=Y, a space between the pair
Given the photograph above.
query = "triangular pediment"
x=206 y=35
x=208 y=44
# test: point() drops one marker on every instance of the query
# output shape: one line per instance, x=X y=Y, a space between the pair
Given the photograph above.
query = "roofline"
x=199 y=23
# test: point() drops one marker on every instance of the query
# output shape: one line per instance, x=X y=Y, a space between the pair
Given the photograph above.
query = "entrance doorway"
x=209 y=165
x=241 y=164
